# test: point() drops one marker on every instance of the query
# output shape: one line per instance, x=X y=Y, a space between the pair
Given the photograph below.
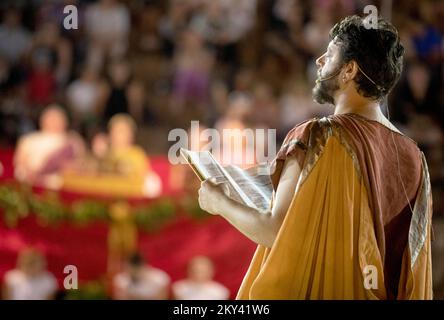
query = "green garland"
x=91 y=290
x=17 y=202
x=14 y=205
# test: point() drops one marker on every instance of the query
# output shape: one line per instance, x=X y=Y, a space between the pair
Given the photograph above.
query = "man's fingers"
x=212 y=180
x=225 y=189
x=205 y=184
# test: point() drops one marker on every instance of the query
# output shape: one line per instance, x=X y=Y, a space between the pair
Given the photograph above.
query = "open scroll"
x=251 y=187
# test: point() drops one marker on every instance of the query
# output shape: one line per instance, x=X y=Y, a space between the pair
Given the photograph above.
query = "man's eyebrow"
x=337 y=42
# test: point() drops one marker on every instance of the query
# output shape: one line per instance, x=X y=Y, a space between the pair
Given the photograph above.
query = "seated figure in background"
x=117 y=165
x=29 y=280
x=42 y=155
x=199 y=285
x=140 y=281
x=124 y=157
x=100 y=145
x=127 y=159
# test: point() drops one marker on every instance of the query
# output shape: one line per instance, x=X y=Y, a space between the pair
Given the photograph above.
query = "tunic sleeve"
x=295 y=145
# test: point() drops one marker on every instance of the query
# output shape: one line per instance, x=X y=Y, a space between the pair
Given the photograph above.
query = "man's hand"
x=210 y=197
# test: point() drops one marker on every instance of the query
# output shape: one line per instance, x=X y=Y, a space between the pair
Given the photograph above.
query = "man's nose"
x=320 y=61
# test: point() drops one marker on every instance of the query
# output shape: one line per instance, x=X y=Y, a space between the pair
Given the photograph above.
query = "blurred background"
x=85 y=115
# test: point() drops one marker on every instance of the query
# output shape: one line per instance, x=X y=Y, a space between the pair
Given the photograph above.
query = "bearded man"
x=352 y=208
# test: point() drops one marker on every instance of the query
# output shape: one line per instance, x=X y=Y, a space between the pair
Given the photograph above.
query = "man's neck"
x=349 y=103
x=346 y=103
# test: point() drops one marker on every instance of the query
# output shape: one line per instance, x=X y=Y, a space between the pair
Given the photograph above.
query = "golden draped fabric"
x=122 y=174
x=328 y=245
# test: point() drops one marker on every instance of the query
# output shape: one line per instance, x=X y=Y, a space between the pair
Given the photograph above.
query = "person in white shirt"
x=199 y=285
x=30 y=280
x=107 y=27
x=83 y=97
x=46 y=152
x=140 y=281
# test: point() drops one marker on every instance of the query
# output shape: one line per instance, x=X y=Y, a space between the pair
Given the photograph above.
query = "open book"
x=251 y=187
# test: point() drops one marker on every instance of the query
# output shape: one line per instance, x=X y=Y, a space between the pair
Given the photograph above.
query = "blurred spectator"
x=316 y=31
x=146 y=33
x=15 y=40
x=41 y=81
x=124 y=157
x=100 y=145
x=29 y=280
x=55 y=50
x=199 y=284
x=218 y=101
x=127 y=159
x=297 y=105
x=93 y=160
x=4 y=73
x=224 y=22
x=192 y=63
x=418 y=93
x=107 y=27
x=244 y=80
x=426 y=37
x=121 y=94
x=53 y=11
x=15 y=116
x=283 y=10
x=416 y=106
x=175 y=20
x=316 y=34
x=265 y=107
x=140 y=281
x=232 y=127
x=83 y=98
x=45 y=153
x=422 y=41
x=287 y=37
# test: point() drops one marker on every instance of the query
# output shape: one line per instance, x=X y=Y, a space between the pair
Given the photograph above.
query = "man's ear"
x=350 y=71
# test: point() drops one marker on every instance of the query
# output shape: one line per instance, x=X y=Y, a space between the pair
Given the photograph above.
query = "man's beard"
x=323 y=91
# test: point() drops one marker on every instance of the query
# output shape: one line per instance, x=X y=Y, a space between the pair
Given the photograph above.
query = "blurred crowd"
x=227 y=63
x=108 y=92
x=31 y=280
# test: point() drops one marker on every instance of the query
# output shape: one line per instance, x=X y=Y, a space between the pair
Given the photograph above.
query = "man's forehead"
x=333 y=45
